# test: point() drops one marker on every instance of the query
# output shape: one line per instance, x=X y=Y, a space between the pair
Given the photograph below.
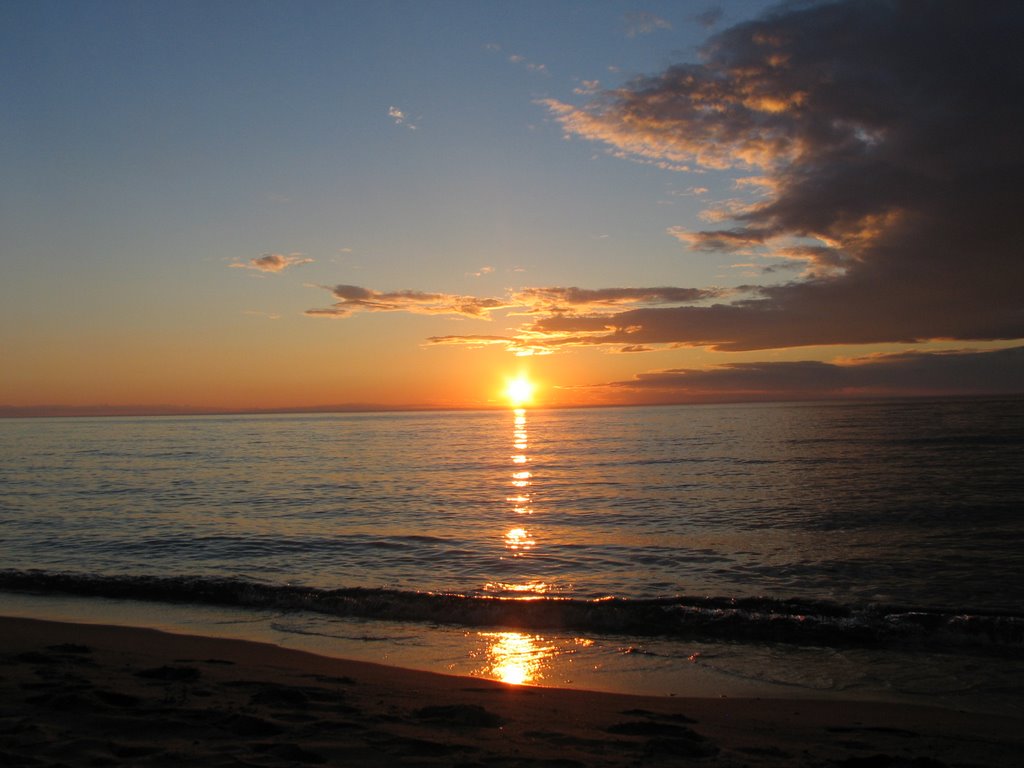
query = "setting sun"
x=519 y=391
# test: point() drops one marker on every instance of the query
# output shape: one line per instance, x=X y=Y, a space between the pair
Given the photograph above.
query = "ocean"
x=858 y=549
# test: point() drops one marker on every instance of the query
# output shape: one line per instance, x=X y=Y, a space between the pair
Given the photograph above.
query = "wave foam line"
x=754 y=619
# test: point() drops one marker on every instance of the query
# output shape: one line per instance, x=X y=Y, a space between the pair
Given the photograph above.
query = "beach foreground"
x=73 y=694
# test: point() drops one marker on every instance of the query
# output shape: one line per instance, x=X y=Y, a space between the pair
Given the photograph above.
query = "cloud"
x=521 y=347
x=727 y=240
x=643 y=23
x=545 y=304
x=914 y=373
x=400 y=118
x=515 y=58
x=885 y=143
x=709 y=18
x=562 y=300
x=273 y=262
x=353 y=298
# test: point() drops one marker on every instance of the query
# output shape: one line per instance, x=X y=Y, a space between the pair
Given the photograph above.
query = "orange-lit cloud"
x=353 y=298
x=587 y=309
x=572 y=299
x=401 y=118
x=544 y=301
x=273 y=262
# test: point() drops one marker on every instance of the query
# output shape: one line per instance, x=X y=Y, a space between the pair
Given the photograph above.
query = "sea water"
x=869 y=548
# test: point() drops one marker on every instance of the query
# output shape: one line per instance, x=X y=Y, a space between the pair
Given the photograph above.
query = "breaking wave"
x=740 y=619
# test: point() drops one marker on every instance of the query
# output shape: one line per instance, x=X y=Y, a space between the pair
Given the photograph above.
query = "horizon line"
x=106 y=410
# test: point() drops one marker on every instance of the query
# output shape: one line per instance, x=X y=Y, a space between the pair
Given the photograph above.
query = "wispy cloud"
x=273 y=262
x=709 y=18
x=643 y=23
x=518 y=345
x=563 y=300
x=885 y=144
x=544 y=301
x=401 y=118
x=353 y=298
x=587 y=310
x=587 y=87
x=532 y=66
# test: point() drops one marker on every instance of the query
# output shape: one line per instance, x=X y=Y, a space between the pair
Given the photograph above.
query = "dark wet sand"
x=88 y=695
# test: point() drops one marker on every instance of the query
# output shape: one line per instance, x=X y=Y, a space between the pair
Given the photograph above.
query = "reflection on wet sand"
x=519 y=658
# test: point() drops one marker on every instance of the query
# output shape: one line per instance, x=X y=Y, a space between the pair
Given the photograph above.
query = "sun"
x=519 y=391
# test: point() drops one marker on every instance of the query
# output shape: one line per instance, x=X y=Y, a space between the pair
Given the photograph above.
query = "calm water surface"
x=910 y=503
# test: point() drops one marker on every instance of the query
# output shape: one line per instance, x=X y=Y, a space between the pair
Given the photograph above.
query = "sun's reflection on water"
x=510 y=656
x=521 y=479
x=534 y=588
x=518 y=540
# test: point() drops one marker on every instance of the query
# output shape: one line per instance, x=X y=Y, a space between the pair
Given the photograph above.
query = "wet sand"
x=90 y=695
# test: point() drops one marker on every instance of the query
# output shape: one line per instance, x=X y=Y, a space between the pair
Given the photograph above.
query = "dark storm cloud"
x=888 y=135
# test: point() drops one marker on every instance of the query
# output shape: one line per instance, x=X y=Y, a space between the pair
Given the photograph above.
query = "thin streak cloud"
x=545 y=301
x=353 y=299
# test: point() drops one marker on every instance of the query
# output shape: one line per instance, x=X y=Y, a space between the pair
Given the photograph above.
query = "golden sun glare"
x=519 y=391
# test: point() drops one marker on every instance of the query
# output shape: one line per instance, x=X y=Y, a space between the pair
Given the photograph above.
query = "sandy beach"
x=90 y=695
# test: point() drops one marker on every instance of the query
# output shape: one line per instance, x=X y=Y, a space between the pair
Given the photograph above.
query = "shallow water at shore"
x=612 y=663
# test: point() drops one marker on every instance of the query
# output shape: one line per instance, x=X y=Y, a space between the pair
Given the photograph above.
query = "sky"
x=287 y=205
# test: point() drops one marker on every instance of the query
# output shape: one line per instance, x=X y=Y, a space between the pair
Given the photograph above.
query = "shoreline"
x=90 y=694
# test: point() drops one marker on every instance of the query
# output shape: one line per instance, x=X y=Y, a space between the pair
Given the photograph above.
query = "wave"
x=741 y=619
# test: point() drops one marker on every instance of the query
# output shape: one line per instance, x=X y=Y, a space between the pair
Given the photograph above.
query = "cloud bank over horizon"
x=964 y=372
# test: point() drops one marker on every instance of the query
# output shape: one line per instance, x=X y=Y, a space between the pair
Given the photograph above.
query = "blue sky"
x=148 y=147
